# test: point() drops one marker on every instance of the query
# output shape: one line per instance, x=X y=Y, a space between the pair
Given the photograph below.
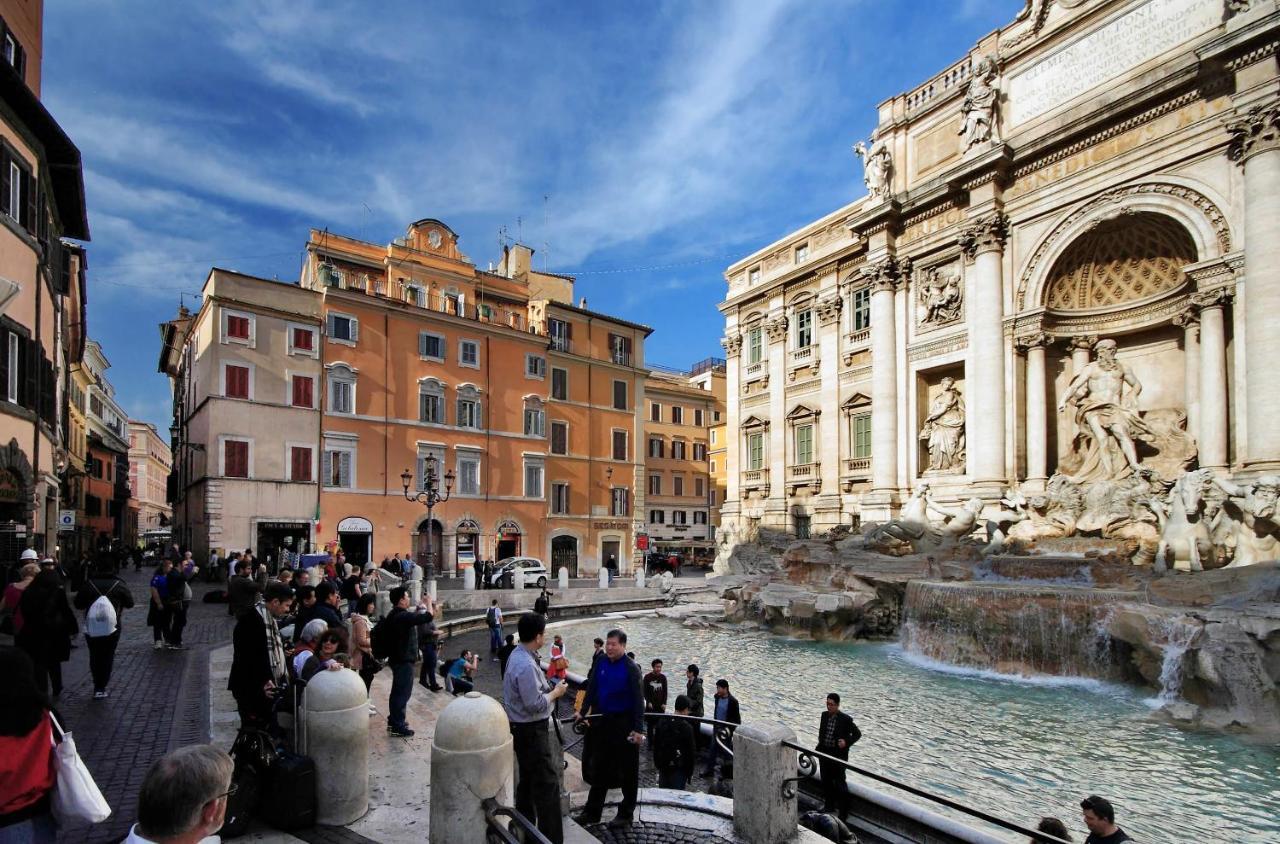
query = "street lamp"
x=430 y=496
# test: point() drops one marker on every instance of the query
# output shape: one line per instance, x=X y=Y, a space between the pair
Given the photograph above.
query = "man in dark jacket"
x=102 y=642
x=258 y=668
x=693 y=690
x=614 y=694
x=326 y=608
x=836 y=732
x=402 y=632
x=243 y=588
x=655 y=688
x=674 y=750
x=542 y=603
x=726 y=709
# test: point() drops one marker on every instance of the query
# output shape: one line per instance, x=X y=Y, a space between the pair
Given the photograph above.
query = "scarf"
x=275 y=648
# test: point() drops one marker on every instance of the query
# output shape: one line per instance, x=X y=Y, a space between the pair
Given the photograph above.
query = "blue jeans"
x=495 y=639
x=401 y=690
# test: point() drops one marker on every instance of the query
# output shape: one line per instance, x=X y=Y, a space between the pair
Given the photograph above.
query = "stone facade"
x=1116 y=202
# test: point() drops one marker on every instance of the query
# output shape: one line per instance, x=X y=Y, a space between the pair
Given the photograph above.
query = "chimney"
x=519 y=261
x=582 y=303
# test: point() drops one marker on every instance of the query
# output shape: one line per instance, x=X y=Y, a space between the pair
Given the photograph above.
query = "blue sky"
x=669 y=139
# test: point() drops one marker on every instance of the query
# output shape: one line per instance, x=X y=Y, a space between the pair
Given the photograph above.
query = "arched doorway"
x=564 y=553
x=435 y=536
x=468 y=544
x=508 y=540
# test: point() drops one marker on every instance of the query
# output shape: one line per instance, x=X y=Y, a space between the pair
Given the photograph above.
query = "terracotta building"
x=41 y=200
x=107 y=492
x=150 y=461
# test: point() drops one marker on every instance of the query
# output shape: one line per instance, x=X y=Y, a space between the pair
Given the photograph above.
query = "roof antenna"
x=520 y=229
x=546 y=245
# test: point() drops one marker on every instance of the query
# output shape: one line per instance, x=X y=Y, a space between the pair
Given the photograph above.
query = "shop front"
x=280 y=543
x=508 y=541
x=467 y=545
x=355 y=538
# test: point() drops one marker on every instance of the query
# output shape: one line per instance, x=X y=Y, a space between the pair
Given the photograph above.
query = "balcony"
x=798 y=355
x=620 y=357
x=755 y=479
x=804 y=475
x=751 y=370
x=854 y=470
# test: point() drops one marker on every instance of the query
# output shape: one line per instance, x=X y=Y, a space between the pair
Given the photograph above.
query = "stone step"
x=575 y=834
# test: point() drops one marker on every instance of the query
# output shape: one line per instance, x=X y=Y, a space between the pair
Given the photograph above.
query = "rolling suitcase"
x=289 y=790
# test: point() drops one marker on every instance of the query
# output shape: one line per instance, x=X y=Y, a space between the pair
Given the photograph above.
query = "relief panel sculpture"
x=941 y=295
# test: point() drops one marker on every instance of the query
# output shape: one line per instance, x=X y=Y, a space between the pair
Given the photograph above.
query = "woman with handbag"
x=362 y=659
x=26 y=740
x=48 y=625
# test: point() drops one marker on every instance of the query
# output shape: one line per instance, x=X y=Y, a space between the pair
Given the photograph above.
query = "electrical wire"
x=648 y=268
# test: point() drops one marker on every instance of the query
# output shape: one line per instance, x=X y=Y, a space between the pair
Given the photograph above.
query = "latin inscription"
x=1104 y=54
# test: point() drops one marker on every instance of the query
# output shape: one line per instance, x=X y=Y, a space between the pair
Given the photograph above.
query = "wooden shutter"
x=30 y=211
x=236 y=458
x=301 y=460
x=303 y=394
x=355 y=330
x=31 y=373
x=5 y=158
x=326 y=467
x=344 y=469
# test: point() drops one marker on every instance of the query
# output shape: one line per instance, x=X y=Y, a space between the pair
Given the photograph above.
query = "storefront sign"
x=285 y=525
x=609 y=525
x=355 y=524
x=642 y=541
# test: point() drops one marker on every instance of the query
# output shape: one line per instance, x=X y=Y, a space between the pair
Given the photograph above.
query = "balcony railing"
x=857 y=466
x=755 y=477
x=802 y=354
x=861 y=337
x=620 y=357
x=753 y=369
x=803 y=471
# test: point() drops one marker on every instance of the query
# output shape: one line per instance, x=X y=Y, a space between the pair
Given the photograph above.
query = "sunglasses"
x=232 y=789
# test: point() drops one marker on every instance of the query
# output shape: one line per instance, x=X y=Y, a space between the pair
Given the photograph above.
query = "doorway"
x=429 y=542
x=611 y=548
x=564 y=553
x=508 y=544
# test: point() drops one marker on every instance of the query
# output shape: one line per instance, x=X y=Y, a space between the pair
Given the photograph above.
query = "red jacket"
x=28 y=773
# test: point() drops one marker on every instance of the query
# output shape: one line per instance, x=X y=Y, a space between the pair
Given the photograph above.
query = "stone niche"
x=940 y=444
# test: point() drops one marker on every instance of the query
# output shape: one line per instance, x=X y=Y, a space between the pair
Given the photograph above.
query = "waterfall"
x=1178 y=638
x=1026 y=629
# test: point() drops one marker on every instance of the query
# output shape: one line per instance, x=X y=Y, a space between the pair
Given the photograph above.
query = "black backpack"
x=382 y=638
x=668 y=751
x=446 y=666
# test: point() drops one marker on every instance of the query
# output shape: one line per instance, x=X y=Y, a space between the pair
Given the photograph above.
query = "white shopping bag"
x=76 y=797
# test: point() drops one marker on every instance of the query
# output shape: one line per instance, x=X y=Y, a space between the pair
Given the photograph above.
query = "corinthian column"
x=1255 y=144
x=983 y=243
x=1213 y=378
x=884 y=277
x=1037 y=410
x=733 y=378
x=1189 y=321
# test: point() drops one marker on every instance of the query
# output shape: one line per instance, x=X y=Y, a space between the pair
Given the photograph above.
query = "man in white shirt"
x=183 y=799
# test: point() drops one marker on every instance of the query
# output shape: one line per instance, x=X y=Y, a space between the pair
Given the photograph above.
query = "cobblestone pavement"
x=641 y=832
x=158 y=702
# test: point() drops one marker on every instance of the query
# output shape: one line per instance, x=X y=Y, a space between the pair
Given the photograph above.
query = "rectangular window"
x=655 y=484
x=415 y=295
x=430 y=346
x=713 y=436
x=15 y=190
x=620 y=501
x=861 y=308
x=303 y=339
x=559 y=438
x=559 y=383
x=533 y=480
x=468 y=413
x=342 y=328
x=802 y=527
x=804 y=444
x=619 y=395
x=535 y=366
x=699 y=517
x=677 y=449
x=699 y=452
x=677 y=485
x=804 y=329
x=300 y=464
x=559 y=331
x=619 y=445
x=340 y=394
x=802 y=253
x=15 y=368
x=713 y=466
x=861 y=435
x=715 y=416
x=679 y=517
x=468 y=475
x=337 y=469
x=534 y=423
x=697 y=417
x=303 y=392
x=677 y=415
x=755 y=346
x=237 y=382
x=469 y=353
x=655 y=412
x=235 y=458
x=657 y=517
x=657 y=447
x=753 y=275
x=238 y=327
x=620 y=349
x=755 y=451
x=431 y=408
x=699 y=487
x=559 y=498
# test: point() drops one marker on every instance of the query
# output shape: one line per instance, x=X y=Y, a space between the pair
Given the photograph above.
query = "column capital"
x=776 y=328
x=732 y=345
x=1027 y=342
x=887 y=274
x=829 y=309
x=1253 y=131
x=1218 y=297
x=985 y=234
x=1082 y=341
x=1187 y=318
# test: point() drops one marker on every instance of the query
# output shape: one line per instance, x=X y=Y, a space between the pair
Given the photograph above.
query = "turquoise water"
x=1014 y=748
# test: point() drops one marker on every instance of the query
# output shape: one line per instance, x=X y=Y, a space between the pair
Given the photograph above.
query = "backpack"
x=668 y=752
x=446 y=667
x=101 y=620
x=491 y=617
x=381 y=637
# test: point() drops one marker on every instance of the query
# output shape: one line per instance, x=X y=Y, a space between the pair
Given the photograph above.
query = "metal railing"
x=809 y=762
x=721 y=731
x=498 y=831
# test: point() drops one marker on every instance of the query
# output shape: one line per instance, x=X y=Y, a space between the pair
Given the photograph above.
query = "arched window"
x=342 y=388
x=534 y=417
x=431 y=401
x=469 y=409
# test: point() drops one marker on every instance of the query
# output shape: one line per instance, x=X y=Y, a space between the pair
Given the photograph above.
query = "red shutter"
x=238 y=327
x=301 y=460
x=237 y=382
x=302 y=391
x=302 y=339
x=236 y=458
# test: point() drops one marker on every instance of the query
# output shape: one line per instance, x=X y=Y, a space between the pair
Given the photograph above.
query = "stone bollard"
x=639 y=578
x=383 y=602
x=415 y=592
x=517 y=579
x=433 y=589
x=469 y=579
x=761 y=814
x=563 y=575
x=471 y=760
x=604 y=578
x=337 y=711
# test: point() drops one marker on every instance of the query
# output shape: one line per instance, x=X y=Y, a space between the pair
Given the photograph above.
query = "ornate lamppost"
x=430 y=496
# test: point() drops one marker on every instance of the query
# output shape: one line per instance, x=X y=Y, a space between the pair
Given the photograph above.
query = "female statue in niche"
x=943 y=429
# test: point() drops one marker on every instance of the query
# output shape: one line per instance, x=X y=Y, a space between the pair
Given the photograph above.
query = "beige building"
x=1067 y=236
x=246 y=377
x=681 y=407
x=150 y=460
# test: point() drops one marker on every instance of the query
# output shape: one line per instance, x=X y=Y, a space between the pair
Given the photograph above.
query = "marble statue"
x=911 y=527
x=979 y=106
x=959 y=523
x=1013 y=511
x=943 y=429
x=1184 y=533
x=1104 y=396
x=877 y=167
x=941 y=297
x=1252 y=509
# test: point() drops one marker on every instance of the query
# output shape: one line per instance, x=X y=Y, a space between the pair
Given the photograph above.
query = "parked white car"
x=533 y=572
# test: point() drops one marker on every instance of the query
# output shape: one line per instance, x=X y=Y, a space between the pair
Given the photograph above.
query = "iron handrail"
x=808 y=764
x=498 y=832
x=721 y=731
